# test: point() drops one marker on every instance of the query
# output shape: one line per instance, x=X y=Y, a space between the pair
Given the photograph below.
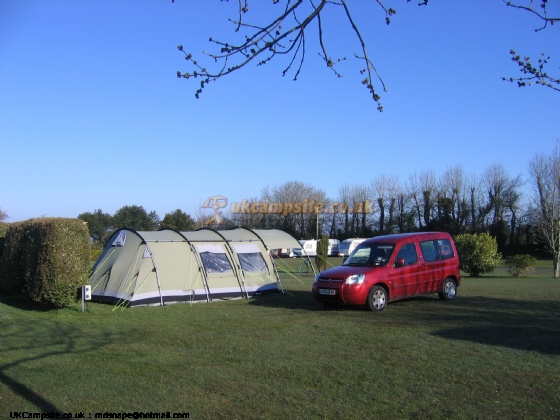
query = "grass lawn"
x=494 y=352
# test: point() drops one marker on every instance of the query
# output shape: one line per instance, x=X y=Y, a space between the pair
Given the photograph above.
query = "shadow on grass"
x=31 y=340
x=517 y=324
x=289 y=300
x=22 y=302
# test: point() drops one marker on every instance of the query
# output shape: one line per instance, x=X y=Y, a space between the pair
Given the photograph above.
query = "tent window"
x=215 y=263
x=253 y=262
x=214 y=258
x=250 y=258
x=120 y=239
x=146 y=253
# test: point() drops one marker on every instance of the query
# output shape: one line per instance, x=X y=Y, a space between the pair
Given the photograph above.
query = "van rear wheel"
x=377 y=298
x=448 y=290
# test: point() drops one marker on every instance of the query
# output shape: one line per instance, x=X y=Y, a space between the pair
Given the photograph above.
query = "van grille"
x=329 y=280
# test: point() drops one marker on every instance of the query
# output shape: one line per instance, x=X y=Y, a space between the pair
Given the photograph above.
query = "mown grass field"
x=494 y=352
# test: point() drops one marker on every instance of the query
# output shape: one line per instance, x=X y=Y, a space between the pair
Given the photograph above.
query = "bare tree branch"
x=542 y=14
x=264 y=42
x=534 y=75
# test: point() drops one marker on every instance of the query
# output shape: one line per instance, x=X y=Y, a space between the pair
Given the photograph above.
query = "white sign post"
x=86 y=295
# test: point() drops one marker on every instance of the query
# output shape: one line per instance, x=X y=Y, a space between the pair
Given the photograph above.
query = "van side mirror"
x=400 y=262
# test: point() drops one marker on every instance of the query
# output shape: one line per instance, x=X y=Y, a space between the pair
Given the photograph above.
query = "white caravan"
x=347 y=246
x=310 y=247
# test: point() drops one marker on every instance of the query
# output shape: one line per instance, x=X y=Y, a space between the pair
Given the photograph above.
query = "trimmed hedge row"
x=46 y=259
x=3 y=230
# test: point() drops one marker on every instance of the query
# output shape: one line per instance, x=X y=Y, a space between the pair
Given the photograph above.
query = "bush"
x=322 y=253
x=12 y=264
x=3 y=231
x=519 y=264
x=46 y=259
x=478 y=253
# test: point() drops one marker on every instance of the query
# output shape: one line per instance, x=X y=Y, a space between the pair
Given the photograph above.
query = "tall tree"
x=249 y=215
x=453 y=211
x=99 y=224
x=135 y=217
x=503 y=195
x=3 y=215
x=386 y=190
x=545 y=179
x=178 y=220
x=301 y=204
x=422 y=189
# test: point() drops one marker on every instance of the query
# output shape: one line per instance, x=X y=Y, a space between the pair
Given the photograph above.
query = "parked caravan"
x=310 y=247
x=333 y=247
x=348 y=245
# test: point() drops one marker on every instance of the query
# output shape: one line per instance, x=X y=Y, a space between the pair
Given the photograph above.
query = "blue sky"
x=92 y=115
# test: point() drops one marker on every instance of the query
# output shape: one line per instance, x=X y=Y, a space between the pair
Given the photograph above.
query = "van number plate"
x=330 y=292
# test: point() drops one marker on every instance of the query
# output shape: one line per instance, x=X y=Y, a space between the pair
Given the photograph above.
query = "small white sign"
x=87 y=292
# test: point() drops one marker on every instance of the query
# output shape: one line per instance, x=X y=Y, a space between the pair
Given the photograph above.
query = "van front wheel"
x=377 y=298
x=448 y=290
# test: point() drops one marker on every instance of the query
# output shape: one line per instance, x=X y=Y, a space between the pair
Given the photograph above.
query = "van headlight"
x=356 y=279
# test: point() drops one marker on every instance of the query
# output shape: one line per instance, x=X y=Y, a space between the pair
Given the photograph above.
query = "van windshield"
x=376 y=254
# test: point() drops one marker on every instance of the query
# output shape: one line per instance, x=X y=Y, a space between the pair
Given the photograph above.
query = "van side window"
x=408 y=253
x=439 y=249
x=430 y=250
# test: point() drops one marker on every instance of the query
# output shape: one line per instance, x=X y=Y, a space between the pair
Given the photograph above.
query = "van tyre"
x=448 y=290
x=377 y=298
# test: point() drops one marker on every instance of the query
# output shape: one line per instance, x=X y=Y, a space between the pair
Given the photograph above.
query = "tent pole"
x=202 y=272
x=156 y=271
x=276 y=272
x=233 y=257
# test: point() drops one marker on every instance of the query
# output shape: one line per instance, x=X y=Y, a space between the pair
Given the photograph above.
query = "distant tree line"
x=101 y=225
x=453 y=202
x=494 y=203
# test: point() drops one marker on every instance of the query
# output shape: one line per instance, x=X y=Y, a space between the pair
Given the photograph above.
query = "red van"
x=387 y=268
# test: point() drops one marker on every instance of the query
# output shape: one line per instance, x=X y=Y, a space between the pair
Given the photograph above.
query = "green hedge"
x=46 y=259
x=12 y=265
x=3 y=230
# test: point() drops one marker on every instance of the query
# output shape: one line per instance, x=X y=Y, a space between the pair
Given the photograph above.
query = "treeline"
x=101 y=225
x=453 y=202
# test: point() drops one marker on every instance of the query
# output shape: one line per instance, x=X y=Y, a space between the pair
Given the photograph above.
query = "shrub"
x=478 y=253
x=46 y=259
x=3 y=230
x=519 y=264
x=322 y=253
x=12 y=262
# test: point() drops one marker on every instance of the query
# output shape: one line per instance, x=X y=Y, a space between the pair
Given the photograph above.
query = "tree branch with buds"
x=284 y=35
x=534 y=75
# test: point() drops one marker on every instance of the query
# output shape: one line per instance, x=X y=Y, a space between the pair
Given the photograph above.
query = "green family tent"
x=166 y=266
